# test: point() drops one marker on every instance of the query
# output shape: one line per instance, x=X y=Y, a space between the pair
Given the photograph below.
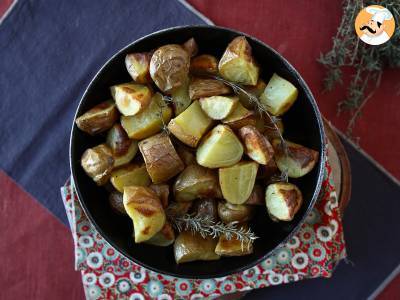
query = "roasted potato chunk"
x=257 y=146
x=162 y=191
x=169 y=67
x=237 y=64
x=204 y=64
x=180 y=97
x=256 y=196
x=179 y=208
x=191 y=47
x=98 y=163
x=117 y=203
x=196 y=182
x=186 y=154
x=128 y=156
x=148 y=122
x=145 y=210
x=237 y=182
x=270 y=130
x=98 y=119
x=131 y=174
x=162 y=161
x=190 y=125
x=220 y=148
x=199 y=88
x=124 y=149
x=206 y=208
x=299 y=161
x=229 y=212
x=138 y=66
x=283 y=200
x=255 y=90
x=279 y=95
x=240 y=117
x=218 y=107
x=190 y=246
x=131 y=98
x=163 y=238
x=233 y=247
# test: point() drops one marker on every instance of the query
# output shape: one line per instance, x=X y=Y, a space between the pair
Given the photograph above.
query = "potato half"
x=180 y=97
x=220 y=148
x=237 y=63
x=163 y=238
x=283 y=200
x=190 y=125
x=199 y=88
x=229 y=212
x=237 y=182
x=145 y=210
x=218 y=107
x=189 y=246
x=279 y=95
x=98 y=163
x=299 y=161
x=257 y=146
x=98 y=119
x=240 y=117
x=196 y=182
x=204 y=63
x=162 y=161
x=131 y=98
x=131 y=174
x=169 y=67
x=138 y=66
x=148 y=122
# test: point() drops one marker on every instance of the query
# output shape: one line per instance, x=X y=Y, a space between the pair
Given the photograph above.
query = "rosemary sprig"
x=205 y=226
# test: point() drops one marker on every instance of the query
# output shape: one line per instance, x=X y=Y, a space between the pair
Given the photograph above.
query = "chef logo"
x=375 y=25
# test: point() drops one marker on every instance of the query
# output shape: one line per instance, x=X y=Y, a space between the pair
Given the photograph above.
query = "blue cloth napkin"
x=49 y=52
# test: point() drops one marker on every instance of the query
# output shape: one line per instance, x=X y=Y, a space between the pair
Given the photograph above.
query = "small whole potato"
x=228 y=212
x=169 y=67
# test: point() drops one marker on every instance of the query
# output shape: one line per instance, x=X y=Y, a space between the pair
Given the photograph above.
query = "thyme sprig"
x=366 y=62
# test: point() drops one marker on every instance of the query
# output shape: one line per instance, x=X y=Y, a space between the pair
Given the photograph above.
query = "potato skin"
x=169 y=67
x=138 y=66
x=237 y=63
x=186 y=154
x=196 y=182
x=98 y=163
x=229 y=212
x=257 y=146
x=256 y=196
x=204 y=63
x=206 y=208
x=118 y=140
x=255 y=90
x=99 y=118
x=162 y=161
x=283 y=200
x=191 y=47
x=162 y=191
x=163 y=238
x=240 y=117
x=117 y=203
x=233 y=247
x=199 y=88
x=179 y=208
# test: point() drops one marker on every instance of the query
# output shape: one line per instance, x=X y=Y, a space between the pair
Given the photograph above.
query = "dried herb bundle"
x=367 y=62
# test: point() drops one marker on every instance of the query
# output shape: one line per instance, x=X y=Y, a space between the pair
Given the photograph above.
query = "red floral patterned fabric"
x=313 y=252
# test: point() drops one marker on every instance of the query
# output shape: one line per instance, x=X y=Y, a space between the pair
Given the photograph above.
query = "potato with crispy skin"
x=190 y=125
x=200 y=87
x=229 y=212
x=124 y=149
x=145 y=210
x=148 y=122
x=255 y=90
x=190 y=246
x=162 y=161
x=98 y=119
x=131 y=98
x=237 y=63
x=117 y=203
x=186 y=154
x=237 y=181
x=256 y=196
x=232 y=246
x=218 y=107
x=220 y=148
x=283 y=200
x=196 y=182
x=169 y=67
x=191 y=47
x=279 y=95
x=98 y=163
x=180 y=97
x=240 y=117
x=138 y=66
x=204 y=64
x=257 y=146
x=162 y=191
x=131 y=174
x=299 y=161
x=270 y=131
x=163 y=238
